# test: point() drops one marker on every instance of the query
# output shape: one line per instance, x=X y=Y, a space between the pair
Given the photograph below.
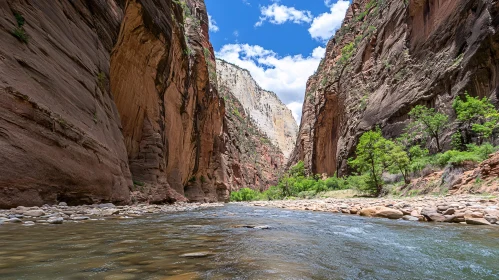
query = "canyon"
x=123 y=101
x=117 y=101
x=388 y=57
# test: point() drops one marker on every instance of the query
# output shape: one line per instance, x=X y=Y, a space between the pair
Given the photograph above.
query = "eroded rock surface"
x=388 y=57
x=108 y=98
x=265 y=109
x=251 y=160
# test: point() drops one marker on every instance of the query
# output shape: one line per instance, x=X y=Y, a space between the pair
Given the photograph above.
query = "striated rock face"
x=105 y=91
x=264 y=108
x=171 y=114
x=60 y=136
x=251 y=160
x=388 y=57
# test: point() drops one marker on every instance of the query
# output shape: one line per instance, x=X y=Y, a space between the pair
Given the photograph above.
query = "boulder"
x=55 y=220
x=476 y=221
x=381 y=212
x=34 y=213
x=491 y=219
x=432 y=215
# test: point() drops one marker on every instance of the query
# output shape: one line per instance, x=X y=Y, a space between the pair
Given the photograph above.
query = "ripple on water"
x=298 y=245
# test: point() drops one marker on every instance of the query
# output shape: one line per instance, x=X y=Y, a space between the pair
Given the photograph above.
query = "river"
x=298 y=245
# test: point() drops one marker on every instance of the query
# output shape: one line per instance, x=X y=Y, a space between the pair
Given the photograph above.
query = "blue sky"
x=281 y=42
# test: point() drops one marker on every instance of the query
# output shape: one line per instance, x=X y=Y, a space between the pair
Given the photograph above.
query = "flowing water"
x=299 y=245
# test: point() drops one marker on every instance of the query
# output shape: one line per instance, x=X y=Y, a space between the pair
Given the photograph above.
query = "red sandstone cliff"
x=388 y=57
x=102 y=99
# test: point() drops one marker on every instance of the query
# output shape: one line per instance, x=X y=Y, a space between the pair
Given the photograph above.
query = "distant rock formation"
x=388 y=57
x=108 y=101
x=264 y=108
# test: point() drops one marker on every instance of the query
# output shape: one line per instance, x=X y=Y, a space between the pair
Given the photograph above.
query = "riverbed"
x=219 y=243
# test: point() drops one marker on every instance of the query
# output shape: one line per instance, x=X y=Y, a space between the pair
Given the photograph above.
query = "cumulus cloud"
x=286 y=76
x=296 y=108
x=325 y=25
x=279 y=14
x=212 y=24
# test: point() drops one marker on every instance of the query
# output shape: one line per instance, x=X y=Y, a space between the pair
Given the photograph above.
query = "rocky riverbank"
x=451 y=209
x=63 y=213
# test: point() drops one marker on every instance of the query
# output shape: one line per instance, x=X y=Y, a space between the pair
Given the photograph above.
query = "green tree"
x=372 y=158
x=476 y=116
x=429 y=123
x=399 y=161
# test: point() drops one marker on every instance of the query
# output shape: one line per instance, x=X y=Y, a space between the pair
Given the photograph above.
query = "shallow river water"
x=299 y=245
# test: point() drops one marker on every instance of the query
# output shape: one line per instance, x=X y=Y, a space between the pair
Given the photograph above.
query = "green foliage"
x=19 y=31
x=476 y=117
x=473 y=153
x=294 y=183
x=138 y=183
x=347 y=52
x=244 y=194
x=372 y=158
x=428 y=122
x=101 y=80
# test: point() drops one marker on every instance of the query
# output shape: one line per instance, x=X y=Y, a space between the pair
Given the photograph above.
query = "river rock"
x=34 y=213
x=432 y=215
x=29 y=223
x=106 y=205
x=449 y=211
x=476 y=221
x=55 y=220
x=410 y=218
x=354 y=210
x=381 y=212
x=457 y=218
x=491 y=219
x=62 y=204
x=80 y=218
x=14 y=220
x=110 y=212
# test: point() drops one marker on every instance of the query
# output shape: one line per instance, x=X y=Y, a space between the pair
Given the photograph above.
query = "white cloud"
x=286 y=76
x=212 y=24
x=325 y=25
x=279 y=14
x=296 y=108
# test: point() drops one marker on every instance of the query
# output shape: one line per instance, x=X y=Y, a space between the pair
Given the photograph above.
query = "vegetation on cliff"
x=377 y=157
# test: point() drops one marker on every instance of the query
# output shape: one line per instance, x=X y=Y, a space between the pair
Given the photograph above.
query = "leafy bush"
x=473 y=153
x=244 y=194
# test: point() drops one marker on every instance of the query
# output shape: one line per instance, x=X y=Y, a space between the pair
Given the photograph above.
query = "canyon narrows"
x=117 y=101
x=387 y=57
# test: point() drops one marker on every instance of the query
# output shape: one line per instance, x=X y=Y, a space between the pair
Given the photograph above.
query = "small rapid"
x=220 y=243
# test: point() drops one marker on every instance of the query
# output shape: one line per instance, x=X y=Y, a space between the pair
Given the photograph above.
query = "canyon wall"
x=389 y=56
x=264 y=108
x=108 y=101
x=251 y=159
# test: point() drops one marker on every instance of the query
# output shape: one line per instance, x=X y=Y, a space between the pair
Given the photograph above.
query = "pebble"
x=56 y=220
